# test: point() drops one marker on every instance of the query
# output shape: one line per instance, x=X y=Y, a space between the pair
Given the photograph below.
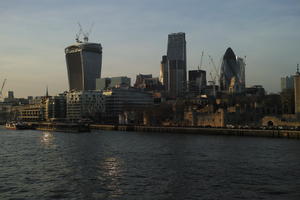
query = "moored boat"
x=62 y=127
x=16 y=126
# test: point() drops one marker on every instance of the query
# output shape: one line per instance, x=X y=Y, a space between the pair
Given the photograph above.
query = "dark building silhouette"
x=84 y=62
x=119 y=81
x=197 y=81
x=176 y=56
x=148 y=83
x=163 y=75
x=140 y=79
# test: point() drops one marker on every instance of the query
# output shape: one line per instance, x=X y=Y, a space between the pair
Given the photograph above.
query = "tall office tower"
x=241 y=62
x=232 y=77
x=297 y=92
x=176 y=55
x=287 y=82
x=163 y=75
x=197 y=81
x=84 y=62
x=10 y=94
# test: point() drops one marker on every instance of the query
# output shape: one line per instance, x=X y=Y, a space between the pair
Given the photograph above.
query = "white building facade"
x=84 y=105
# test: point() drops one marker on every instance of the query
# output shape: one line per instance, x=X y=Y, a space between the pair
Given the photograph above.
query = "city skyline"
x=35 y=34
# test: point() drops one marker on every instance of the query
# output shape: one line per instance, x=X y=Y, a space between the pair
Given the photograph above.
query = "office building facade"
x=297 y=93
x=176 y=58
x=84 y=105
x=287 y=83
x=197 y=81
x=55 y=107
x=163 y=74
x=119 y=100
x=106 y=83
x=84 y=61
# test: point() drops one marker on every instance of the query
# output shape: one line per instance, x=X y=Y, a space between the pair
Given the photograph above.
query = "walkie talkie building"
x=84 y=62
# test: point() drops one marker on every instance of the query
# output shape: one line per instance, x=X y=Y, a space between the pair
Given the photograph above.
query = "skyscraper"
x=163 y=75
x=197 y=81
x=297 y=92
x=241 y=63
x=176 y=56
x=232 y=77
x=287 y=83
x=84 y=62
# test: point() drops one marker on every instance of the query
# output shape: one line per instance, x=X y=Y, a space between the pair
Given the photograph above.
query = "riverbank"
x=59 y=127
x=70 y=127
x=203 y=131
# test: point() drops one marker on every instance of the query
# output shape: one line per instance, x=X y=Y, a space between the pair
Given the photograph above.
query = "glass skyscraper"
x=232 y=77
x=84 y=62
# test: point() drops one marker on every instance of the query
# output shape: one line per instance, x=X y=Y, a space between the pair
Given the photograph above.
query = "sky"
x=133 y=34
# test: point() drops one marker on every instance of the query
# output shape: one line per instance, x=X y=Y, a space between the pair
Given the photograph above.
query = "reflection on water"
x=110 y=170
x=47 y=139
x=128 y=165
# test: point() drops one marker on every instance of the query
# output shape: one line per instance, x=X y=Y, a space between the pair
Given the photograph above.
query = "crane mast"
x=3 y=84
x=85 y=34
x=201 y=61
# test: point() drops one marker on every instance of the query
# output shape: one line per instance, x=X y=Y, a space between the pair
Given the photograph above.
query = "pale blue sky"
x=133 y=34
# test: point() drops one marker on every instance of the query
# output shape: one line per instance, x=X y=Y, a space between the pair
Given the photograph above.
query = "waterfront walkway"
x=205 y=131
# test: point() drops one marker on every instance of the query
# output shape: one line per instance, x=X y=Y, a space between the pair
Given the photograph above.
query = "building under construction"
x=197 y=81
x=84 y=61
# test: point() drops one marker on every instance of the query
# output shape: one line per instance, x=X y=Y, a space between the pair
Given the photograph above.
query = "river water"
x=130 y=165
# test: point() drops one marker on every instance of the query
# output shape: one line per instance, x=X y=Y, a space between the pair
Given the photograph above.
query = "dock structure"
x=60 y=127
x=294 y=134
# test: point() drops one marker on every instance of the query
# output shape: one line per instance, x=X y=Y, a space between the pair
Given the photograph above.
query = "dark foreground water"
x=127 y=165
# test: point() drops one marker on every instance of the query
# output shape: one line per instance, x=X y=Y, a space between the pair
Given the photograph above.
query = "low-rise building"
x=148 y=83
x=84 y=105
x=33 y=112
x=119 y=100
x=283 y=121
x=55 y=108
x=105 y=83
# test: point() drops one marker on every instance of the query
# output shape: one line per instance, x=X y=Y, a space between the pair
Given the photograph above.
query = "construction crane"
x=217 y=70
x=3 y=84
x=213 y=79
x=201 y=61
x=85 y=34
x=213 y=83
x=214 y=66
x=201 y=78
x=79 y=34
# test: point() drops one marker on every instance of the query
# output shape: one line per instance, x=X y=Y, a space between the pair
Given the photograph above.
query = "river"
x=38 y=165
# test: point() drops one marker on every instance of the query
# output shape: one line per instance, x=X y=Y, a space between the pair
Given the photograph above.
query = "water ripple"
x=115 y=165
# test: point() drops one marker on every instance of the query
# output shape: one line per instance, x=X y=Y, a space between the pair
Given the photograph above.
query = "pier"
x=60 y=127
x=294 y=134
